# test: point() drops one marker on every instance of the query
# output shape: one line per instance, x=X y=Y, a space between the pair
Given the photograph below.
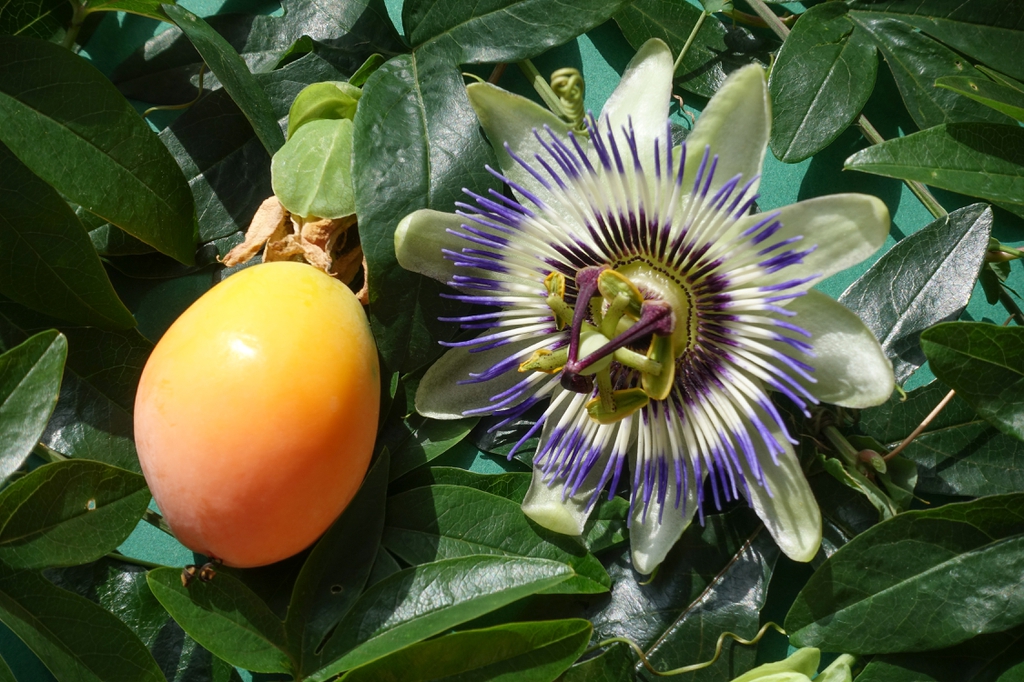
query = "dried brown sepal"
x=269 y=218
x=331 y=245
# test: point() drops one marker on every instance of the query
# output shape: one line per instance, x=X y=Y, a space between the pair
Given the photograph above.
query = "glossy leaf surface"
x=994 y=95
x=822 y=79
x=422 y=601
x=30 y=376
x=448 y=521
x=984 y=363
x=312 y=173
x=98 y=153
x=977 y=159
x=951 y=570
x=226 y=617
x=519 y=652
x=926 y=278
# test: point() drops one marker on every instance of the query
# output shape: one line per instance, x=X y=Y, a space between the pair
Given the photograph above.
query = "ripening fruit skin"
x=256 y=413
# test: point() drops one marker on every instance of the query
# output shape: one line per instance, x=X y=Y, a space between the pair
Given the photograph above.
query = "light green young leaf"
x=312 y=173
x=330 y=100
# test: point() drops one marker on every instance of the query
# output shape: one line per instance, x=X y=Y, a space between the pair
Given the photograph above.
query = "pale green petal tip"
x=419 y=240
x=802 y=665
x=544 y=505
x=839 y=671
x=802 y=541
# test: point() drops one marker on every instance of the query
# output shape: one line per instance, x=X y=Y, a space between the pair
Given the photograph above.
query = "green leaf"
x=998 y=657
x=519 y=652
x=413 y=109
x=477 y=33
x=69 y=513
x=926 y=278
x=422 y=601
x=916 y=61
x=716 y=50
x=330 y=100
x=372 y=63
x=110 y=361
x=43 y=19
x=50 y=264
x=337 y=570
x=449 y=521
x=120 y=588
x=995 y=95
x=98 y=153
x=76 y=639
x=984 y=364
x=614 y=664
x=145 y=8
x=823 y=77
x=952 y=571
x=226 y=617
x=312 y=173
x=423 y=440
x=715 y=579
x=510 y=485
x=29 y=383
x=958 y=453
x=163 y=71
x=988 y=30
x=234 y=75
x=226 y=165
x=977 y=159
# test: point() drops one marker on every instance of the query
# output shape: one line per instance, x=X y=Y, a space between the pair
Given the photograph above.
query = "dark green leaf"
x=977 y=159
x=164 y=70
x=121 y=589
x=823 y=77
x=29 y=384
x=926 y=278
x=97 y=151
x=383 y=565
x=226 y=617
x=716 y=50
x=227 y=167
x=424 y=440
x=69 y=513
x=958 y=453
x=525 y=652
x=995 y=95
x=312 y=172
x=984 y=364
x=511 y=486
x=233 y=73
x=146 y=8
x=44 y=19
x=449 y=521
x=336 y=570
x=988 y=30
x=615 y=664
x=998 y=657
x=476 y=33
x=113 y=241
x=372 y=63
x=916 y=62
x=953 y=572
x=76 y=639
x=715 y=579
x=417 y=144
x=423 y=601
x=49 y=262
x=111 y=362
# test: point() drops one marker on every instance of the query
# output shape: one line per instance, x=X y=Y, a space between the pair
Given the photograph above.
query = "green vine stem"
x=77 y=19
x=540 y=84
x=48 y=453
x=117 y=556
x=154 y=519
x=695 y=666
x=689 y=40
x=920 y=427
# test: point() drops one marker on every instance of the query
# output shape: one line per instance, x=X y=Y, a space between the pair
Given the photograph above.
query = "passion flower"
x=630 y=287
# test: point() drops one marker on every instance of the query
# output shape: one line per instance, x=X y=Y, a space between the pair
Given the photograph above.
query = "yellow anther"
x=555 y=284
x=613 y=284
x=625 y=403
x=545 y=361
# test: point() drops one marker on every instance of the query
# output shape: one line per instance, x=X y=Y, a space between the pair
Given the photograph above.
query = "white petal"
x=440 y=396
x=845 y=228
x=420 y=238
x=790 y=512
x=642 y=98
x=849 y=365
x=803 y=664
x=544 y=505
x=506 y=117
x=736 y=124
x=650 y=542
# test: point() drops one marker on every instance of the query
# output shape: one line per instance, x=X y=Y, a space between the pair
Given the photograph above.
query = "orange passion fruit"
x=257 y=411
